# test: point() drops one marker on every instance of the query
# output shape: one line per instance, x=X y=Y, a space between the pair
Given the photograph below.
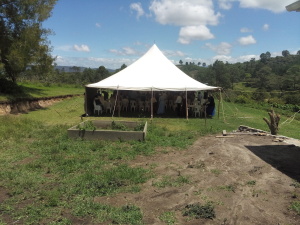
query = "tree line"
x=267 y=76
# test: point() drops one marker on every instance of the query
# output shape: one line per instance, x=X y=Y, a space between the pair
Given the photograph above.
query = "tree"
x=293 y=75
x=180 y=62
x=122 y=68
x=285 y=53
x=102 y=73
x=23 y=41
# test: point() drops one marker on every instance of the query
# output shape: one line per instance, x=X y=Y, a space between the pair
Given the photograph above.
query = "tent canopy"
x=152 y=72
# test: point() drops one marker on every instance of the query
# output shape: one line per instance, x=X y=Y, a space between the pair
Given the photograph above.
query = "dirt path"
x=250 y=180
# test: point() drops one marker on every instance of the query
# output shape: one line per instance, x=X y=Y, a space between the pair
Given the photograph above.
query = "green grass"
x=38 y=90
x=295 y=206
x=51 y=179
x=168 y=218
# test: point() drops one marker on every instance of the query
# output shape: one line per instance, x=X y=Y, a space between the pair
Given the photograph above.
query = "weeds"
x=217 y=172
x=198 y=211
x=168 y=181
x=168 y=218
x=251 y=182
x=295 y=206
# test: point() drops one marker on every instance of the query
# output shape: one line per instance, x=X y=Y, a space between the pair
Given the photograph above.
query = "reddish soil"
x=250 y=180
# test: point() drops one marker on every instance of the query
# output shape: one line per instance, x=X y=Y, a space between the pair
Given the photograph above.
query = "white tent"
x=152 y=72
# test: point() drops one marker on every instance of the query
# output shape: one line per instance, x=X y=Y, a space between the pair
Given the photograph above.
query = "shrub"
x=242 y=99
x=198 y=211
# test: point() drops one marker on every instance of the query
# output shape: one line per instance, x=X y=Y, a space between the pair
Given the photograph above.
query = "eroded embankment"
x=29 y=104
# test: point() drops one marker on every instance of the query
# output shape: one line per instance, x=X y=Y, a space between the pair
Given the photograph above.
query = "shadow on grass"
x=18 y=92
x=284 y=158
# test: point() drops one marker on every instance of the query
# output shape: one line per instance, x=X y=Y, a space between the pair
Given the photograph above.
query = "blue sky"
x=93 y=33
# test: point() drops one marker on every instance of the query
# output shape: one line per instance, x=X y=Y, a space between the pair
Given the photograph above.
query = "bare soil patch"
x=249 y=179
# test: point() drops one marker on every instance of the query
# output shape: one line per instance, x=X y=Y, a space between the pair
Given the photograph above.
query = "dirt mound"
x=26 y=105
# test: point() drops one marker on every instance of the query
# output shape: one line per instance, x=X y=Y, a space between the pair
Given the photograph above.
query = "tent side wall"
x=90 y=93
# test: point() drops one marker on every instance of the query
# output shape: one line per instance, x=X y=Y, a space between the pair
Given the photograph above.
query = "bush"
x=292 y=99
x=242 y=99
x=260 y=95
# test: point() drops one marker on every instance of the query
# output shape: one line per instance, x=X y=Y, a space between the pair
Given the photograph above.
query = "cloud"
x=192 y=16
x=225 y=4
x=272 y=5
x=223 y=48
x=81 y=48
x=230 y=59
x=138 y=8
x=184 y=13
x=98 y=25
x=247 y=40
x=266 y=27
x=246 y=30
x=170 y=53
x=65 y=48
x=190 y=33
x=92 y=62
x=125 y=51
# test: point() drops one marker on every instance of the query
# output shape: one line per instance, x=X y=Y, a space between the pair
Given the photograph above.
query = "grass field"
x=47 y=178
x=38 y=90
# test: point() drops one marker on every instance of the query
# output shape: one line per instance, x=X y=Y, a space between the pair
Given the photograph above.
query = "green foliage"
x=198 y=211
x=87 y=125
x=242 y=99
x=168 y=181
x=23 y=41
x=260 y=95
x=251 y=182
x=168 y=218
x=295 y=206
x=118 y=126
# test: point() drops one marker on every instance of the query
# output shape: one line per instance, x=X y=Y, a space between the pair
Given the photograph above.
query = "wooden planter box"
x=103 y=133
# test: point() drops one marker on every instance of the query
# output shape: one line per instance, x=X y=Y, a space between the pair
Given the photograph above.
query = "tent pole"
x=186 y=106
x=116 y=100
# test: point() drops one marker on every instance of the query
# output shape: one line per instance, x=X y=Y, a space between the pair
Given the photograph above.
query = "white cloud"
x=98 y=25
x=247 y=40
x=81 y=48
x=92 y=62
x=138 y=8
x=223 y=48
x=190 y=33
x=246 y=30
x=230 y=59
x=272 y=5
x=266 y=27
x=184 y=13
x=225 y=4
x=192 y=16
x=170 y=53
x=124 y=51
x=65 y=48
